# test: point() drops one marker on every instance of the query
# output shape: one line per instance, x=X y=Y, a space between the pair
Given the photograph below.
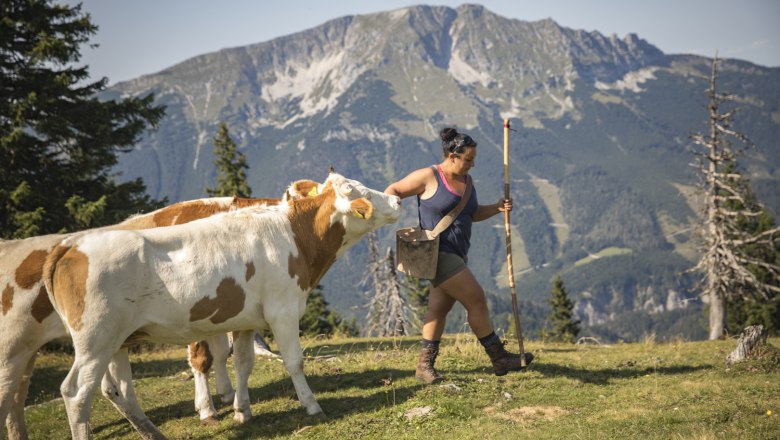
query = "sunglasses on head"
x=459 y=144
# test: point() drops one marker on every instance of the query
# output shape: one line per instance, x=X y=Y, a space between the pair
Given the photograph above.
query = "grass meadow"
x=645 y=390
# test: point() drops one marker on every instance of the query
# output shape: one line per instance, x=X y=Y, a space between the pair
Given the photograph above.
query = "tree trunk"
x=749 y=341
x=717 y=315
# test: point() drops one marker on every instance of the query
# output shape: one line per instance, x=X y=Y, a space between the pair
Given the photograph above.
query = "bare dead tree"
x=389 y=313
x=417 y=293
x=378 y=303
x=400 y=310
x=725 y=264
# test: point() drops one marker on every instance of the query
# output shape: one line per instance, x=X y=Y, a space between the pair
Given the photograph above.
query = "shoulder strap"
x=447 y=220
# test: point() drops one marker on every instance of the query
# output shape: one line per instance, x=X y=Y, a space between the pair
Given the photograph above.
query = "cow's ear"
x=362 y=208
x=305 y=188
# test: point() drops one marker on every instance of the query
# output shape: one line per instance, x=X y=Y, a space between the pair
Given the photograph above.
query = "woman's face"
x=464 y=161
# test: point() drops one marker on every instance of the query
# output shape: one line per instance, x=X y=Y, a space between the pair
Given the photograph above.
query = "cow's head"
x=361 y=209
x=326 y=224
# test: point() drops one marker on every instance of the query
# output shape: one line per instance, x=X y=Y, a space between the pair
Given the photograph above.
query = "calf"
x=28 y=321
x=239 y=271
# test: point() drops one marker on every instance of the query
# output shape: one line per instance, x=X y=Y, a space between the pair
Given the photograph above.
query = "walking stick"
x=518 y=329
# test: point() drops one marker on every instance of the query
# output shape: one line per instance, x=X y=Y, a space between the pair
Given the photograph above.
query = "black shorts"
x=448 y=266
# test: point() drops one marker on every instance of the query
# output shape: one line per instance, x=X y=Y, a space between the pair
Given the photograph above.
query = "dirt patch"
x=526 y=414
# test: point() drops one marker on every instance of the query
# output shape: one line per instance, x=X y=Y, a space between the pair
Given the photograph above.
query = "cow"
x=28 y=321
x=238 y=271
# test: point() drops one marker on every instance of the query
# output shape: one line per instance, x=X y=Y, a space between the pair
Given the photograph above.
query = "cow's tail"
x=49 y=267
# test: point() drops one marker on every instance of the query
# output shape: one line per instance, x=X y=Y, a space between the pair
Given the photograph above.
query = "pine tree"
x=730 y=248
x=564 y=328
x=318 y=319
x=58 y=139
x=751 y=309
x=231 y=167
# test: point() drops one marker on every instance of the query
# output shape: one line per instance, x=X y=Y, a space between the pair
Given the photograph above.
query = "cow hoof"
x=208 y=421
x=242 y=416
x=315 y=412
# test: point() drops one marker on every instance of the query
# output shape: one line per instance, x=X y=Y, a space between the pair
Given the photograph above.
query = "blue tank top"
x=456 y=239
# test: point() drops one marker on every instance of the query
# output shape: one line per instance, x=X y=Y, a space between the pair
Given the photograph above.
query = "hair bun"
x=448 y=134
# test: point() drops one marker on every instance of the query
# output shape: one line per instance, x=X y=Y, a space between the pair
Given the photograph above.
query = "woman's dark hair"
x=454 y=142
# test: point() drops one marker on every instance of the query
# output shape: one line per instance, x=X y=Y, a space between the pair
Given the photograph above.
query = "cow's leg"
x=243 y=360
x=285 y=331
x=17 y=429
x=79 y=387
x=12 y=386
x=117 y=387
x=220 y=350
x=200 y=360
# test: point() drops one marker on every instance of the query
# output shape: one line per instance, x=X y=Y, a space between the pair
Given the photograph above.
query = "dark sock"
x=490 y=339
x=430 y=344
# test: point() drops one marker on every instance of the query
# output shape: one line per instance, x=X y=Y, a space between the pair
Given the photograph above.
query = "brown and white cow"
x=239 y=271
x=28 y=321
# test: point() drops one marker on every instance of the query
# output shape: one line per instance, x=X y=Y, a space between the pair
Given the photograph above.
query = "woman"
x=438 y=189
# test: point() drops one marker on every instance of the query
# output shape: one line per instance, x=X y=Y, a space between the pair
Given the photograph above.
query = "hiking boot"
x=425 y=371
x=504 y=361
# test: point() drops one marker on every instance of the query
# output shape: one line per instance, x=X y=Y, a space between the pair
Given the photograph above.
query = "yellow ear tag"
x=358 y=214
x=312 y=192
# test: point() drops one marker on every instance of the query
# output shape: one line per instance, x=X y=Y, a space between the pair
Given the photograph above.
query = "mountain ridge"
x=602 y=120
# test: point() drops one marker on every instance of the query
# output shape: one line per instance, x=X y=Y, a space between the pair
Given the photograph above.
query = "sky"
x=137 y=37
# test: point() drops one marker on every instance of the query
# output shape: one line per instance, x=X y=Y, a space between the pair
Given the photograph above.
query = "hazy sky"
x=137 y=37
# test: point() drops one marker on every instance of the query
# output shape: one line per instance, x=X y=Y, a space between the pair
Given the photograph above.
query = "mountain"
x=600 y=158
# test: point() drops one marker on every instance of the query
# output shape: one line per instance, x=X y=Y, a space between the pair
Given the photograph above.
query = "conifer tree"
x=58 y=139
x=564 y=328
x=319 y=319
x=231 y=167
x=752 y=309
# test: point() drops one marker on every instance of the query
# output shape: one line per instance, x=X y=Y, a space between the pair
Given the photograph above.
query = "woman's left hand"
x=504 y=205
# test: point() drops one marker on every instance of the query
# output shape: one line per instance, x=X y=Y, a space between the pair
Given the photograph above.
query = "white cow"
x=239 y=271
x=28 y=321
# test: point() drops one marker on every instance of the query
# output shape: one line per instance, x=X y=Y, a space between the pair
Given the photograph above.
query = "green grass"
x=521 y=264
x=608 y=252
x=642 y=390
x=551 y=196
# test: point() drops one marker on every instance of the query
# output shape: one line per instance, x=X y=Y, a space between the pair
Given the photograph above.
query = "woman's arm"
x=484 y=212
x=413 y=184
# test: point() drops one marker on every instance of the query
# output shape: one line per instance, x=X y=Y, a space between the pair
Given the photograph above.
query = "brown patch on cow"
x=317 y=241
x=42 y=307
x=135 y=338
x=239 y=202
x=67 y=270
x=200 y=356
x=186 y=212
x=228 y=303
x=7 y=299
x=29 y=272
x=250 y=270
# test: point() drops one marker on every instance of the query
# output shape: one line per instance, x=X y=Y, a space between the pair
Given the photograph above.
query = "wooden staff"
x=518 y=329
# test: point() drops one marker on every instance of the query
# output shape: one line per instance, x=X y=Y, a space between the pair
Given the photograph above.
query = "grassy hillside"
x=367 y=386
